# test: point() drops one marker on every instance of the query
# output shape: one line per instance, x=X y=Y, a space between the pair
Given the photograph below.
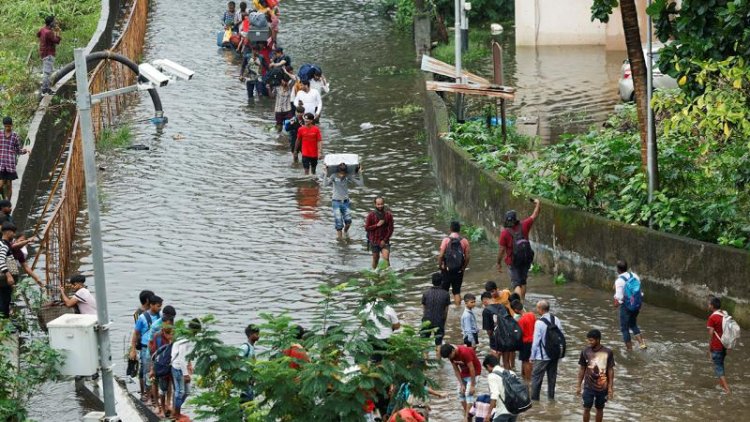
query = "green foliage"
x=406 y=110
x=535 y=268
x=338 y=377
x=699 y=31
x=19 y=22
x=37 y=364
x=402 y=12
x=704 y=190
x=472 y=60
x=115 y=138
x=601 y=9
x=560 y=279
x=482 y=11
x=473 y=233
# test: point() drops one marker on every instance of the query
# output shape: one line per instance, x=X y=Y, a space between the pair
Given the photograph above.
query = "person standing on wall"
x=454 y=257
x=515 y=249
x=10 y=149
x=49 y=37
x=628 y=297
x=596 y=371
x=379 y=227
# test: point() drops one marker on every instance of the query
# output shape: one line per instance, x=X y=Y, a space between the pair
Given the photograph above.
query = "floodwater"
x=216 y=219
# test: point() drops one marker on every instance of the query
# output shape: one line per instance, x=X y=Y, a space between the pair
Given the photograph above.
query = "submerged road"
x=216 y=219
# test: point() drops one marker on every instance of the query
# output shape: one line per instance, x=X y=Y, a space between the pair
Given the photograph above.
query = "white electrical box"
x=74 y=336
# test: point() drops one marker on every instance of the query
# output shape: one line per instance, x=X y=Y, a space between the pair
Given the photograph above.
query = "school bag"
x=274 y=76
x=307 y=70
x=162 y=360
x=516 y=398
x=508 y=335
x=523 y=255
x=454 y=255
x=632 y=297
x=554 y=344
x=730 y=331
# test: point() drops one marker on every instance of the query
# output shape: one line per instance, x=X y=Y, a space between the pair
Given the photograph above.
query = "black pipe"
x=95 y=58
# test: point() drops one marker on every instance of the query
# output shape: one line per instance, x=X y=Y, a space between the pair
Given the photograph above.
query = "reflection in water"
x=217 y=220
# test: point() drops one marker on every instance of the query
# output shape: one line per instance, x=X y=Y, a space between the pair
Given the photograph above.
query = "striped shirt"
x=4 y=252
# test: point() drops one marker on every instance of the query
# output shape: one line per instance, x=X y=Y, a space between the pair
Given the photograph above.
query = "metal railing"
x=58 y=226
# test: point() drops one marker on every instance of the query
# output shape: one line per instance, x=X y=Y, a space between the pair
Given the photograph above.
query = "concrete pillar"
x=422 y=30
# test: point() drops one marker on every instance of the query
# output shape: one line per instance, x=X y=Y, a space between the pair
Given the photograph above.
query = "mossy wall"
x=677 y=272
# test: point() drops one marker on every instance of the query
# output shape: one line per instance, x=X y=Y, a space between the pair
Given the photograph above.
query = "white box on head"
x=332 y=162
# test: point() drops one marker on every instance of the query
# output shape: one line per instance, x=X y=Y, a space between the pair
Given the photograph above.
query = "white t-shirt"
x=319 y=86
x=620 y=286
x=388 y=314
x=86 y=301
x=180 y=350
x=497 y=390
x=311 y=101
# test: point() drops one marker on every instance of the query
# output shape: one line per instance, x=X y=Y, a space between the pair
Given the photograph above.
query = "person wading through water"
x=379 y=227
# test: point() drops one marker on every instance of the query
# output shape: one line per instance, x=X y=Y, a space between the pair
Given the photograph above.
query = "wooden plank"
x=431 y=64
x=497 y=91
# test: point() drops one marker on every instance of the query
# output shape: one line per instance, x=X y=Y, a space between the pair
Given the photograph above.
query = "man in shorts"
x=512 y=226
x=454 y=257
x=310 y=143
x=435 y=303
x=467 y=368
x=10 y=149
x=596 y=372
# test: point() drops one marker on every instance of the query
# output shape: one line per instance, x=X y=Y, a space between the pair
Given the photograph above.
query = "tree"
x=338 y=377
x=701 y=30
x=600 y=10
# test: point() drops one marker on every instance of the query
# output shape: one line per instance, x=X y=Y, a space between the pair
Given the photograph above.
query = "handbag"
x=132 y=370
x=11 y=264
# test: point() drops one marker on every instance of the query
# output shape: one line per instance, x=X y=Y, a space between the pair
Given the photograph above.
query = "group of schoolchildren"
x=268 y=72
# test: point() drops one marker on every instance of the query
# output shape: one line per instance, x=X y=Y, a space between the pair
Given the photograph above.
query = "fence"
x=58 y=232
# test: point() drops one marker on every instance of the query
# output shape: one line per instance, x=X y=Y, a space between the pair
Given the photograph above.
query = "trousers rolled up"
x=628 y=323
x=542 y=367
x=341 y=213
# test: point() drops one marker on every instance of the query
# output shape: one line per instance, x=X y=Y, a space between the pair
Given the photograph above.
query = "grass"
x=406 y=110
x=119 y=137
x=19 y=48
x=472 y=60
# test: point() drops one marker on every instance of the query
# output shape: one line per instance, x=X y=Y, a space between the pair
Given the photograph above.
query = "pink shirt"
x=86 y=301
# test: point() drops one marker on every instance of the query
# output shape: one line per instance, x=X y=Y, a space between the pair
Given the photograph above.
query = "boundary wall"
x=676 y=272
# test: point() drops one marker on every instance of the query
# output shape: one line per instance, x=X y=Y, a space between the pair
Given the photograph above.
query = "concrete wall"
x=49 y=128
x=677 y=272
x=568 y=22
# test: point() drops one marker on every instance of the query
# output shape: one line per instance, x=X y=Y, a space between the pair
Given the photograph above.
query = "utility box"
x=74 y=336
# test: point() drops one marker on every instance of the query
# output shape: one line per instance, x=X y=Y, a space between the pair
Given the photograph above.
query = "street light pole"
x=458 y=45
x=651 y=142
x=83 y=101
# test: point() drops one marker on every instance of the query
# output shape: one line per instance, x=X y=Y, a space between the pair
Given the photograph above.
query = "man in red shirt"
x=518 y=274
x=309 y=141
x=379 y=227
x=49 y=37
x=467 y=368
x=526 y=320
x=716 y=350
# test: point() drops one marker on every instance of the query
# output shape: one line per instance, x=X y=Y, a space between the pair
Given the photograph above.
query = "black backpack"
x=516 y=398
x=523 y=255
x=274 y=76
x=508 y=335
x=554 y=340
x=454 y=255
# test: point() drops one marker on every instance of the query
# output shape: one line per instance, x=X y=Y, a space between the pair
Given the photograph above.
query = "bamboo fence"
x=59 y=224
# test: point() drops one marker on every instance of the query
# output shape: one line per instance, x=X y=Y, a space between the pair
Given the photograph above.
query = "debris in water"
x=178 y=136
x=139 y=147
x=366 y=126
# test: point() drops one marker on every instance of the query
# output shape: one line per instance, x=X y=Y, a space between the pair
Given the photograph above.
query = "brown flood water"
x=216 y=219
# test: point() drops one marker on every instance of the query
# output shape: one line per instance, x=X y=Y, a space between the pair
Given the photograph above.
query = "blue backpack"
x=162 y=360
x=633 y=297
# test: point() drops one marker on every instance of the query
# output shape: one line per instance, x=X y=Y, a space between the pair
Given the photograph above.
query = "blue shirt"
x=540 y=331
x=142 y=326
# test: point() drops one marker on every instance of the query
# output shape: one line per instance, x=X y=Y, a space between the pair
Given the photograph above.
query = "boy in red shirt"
x=526 y=320
x=467 y=368
x=512 y=225
x=309 y=141
x=716 y=350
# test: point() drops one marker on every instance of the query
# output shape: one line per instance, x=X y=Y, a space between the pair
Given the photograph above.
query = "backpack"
x=306 y=71
x=454 y=255
x=554 y=340
x=516 y=398
x=508 y=336
x=274 y=76
x=523 y=255
x=258 y=20
x=632 y=295
x=162 y=360
x=730 y=331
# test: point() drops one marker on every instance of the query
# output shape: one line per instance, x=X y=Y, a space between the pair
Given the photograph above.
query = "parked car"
x=661 y=81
